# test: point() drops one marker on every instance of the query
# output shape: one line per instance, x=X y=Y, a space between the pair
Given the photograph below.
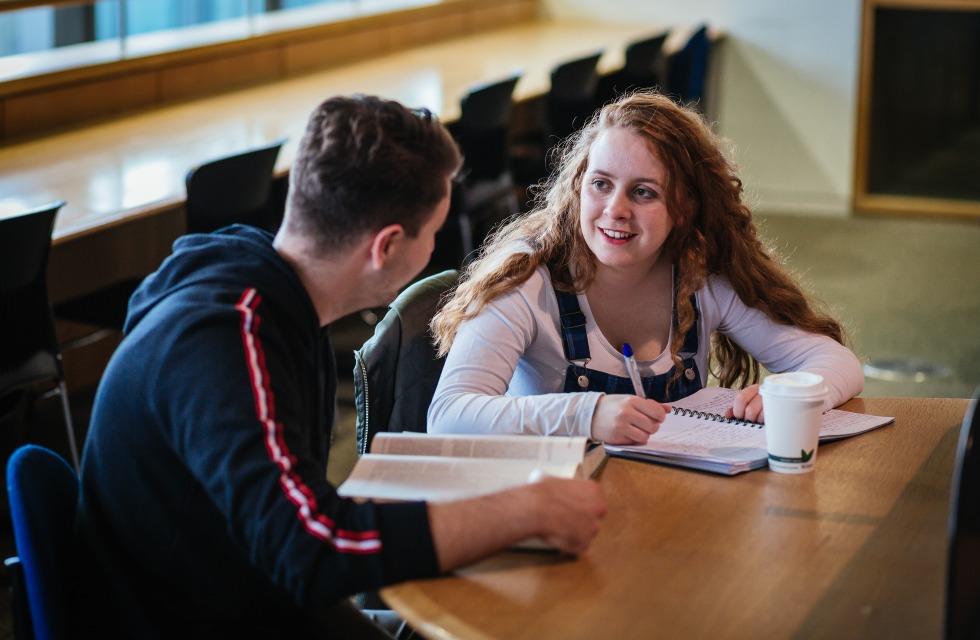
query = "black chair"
x=232 y=189
x=569 y=103
x=963 y=574
x=484 y=194
x=43 y=491
x=644 y=68
x=481 y=129
x=396 y=371
x=687 y=69
x=30 y=353
x=572 y=98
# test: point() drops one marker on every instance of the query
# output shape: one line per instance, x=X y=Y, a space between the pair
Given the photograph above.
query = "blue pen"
x=633 y=370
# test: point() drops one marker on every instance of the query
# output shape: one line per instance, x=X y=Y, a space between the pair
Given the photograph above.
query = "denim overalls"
x=575 y=340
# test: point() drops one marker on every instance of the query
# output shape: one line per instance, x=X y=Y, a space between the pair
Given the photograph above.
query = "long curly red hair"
x=713 y=233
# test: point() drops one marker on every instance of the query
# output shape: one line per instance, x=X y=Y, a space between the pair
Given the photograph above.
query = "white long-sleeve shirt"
x=506 y=368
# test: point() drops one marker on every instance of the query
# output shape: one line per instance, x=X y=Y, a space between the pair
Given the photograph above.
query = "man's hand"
x=747 y=405
x=568 y=512
x=563 y=513
x=626 y=419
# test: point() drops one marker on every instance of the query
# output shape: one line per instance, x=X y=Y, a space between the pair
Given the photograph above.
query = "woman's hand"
x=626 y=419
x=747 y=405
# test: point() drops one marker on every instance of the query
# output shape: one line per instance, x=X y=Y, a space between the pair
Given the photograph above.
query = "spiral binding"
x=715 y=417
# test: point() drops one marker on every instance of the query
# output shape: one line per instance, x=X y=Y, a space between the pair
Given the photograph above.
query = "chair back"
x=232 y=189
x=481 y=130
x=572 y=97
x=642 y=68
x=396 y=371
x=43 y=492
x=963 y=574
x=25 y=240
x=687 y=68
x=25 y=312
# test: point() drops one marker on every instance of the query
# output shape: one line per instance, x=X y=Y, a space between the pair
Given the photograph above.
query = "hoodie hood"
x=201 y=259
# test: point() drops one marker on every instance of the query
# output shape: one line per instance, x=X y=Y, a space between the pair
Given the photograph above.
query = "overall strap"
x=574 y=338
x=692 y=339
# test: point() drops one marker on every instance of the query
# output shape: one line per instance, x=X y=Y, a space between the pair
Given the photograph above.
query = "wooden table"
x=123 y=180
x=855 y=549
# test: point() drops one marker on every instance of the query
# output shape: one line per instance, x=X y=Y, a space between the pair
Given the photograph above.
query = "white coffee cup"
x=793 y=408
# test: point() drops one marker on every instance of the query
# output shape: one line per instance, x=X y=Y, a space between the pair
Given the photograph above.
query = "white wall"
x=787 y=89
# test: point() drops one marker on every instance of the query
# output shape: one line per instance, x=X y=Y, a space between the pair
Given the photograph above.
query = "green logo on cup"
x=805 y=456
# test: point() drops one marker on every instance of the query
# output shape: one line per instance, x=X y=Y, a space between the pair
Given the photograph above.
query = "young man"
x=204 y=507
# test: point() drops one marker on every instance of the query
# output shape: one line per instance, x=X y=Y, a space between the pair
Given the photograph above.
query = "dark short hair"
x=365 y=163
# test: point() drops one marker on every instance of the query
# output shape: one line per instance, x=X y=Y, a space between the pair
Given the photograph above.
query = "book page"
x=438 y=479
x=549 y=449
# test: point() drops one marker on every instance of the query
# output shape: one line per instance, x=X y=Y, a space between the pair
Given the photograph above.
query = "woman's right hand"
x=626 y=419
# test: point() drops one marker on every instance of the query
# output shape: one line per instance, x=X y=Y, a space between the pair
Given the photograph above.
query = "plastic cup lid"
x=797 y=384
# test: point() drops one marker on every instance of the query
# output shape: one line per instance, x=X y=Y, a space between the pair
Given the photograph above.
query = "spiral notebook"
x=697 y=435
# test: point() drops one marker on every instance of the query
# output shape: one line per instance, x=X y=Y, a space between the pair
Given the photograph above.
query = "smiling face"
x=623 y=214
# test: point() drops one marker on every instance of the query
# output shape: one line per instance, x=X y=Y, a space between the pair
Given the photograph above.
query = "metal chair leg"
x=466 y=233
x=20 y=613
x=69 y=425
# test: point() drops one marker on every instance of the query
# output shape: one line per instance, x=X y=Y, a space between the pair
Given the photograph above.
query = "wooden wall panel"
x=210 y=76
x=420 y=32
x=494 y=15
x=60 y=106
x=128 y=250
x=317 y=54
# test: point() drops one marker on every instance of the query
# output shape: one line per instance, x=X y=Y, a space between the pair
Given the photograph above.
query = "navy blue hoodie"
x=205 y=508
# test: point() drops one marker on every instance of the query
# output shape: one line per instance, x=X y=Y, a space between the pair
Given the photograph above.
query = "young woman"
x=641 y=237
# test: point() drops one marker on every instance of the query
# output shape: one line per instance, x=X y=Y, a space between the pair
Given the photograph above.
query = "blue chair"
x=963 y=574
x=43 y=492
x=687 y=69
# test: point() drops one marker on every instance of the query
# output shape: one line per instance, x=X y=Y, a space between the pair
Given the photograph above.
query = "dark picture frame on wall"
x=918 y=125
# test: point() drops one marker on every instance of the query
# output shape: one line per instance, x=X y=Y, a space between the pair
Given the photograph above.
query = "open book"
x=418 y=466
x=697 y=435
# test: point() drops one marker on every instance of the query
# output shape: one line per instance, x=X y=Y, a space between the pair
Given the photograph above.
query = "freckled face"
x=623 y=214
